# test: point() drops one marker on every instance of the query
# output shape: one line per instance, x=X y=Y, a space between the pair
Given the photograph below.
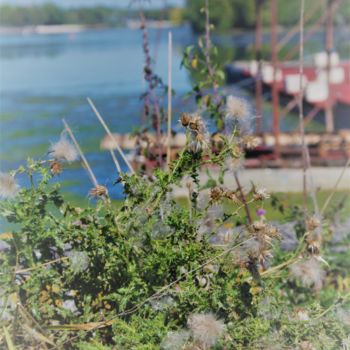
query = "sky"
x=116 y=3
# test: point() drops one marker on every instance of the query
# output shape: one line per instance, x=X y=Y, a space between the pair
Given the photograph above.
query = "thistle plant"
x=152 y=272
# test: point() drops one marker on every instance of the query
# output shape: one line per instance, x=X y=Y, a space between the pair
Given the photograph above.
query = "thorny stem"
x=243 y=198
x=339 y=301
x=208 y=46
x=150 y=94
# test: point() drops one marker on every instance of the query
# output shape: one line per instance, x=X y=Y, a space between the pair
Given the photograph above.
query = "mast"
x=275 y=94
x=258 y=58
x=329 y=44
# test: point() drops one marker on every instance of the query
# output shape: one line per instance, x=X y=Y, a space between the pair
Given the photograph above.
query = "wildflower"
x=8 y=186
x=260 y=194
x=175 y=340
x=205 y=328
x=309 y=272
x=64 y=150
x=79 y=261
x=261 y=212
x=98 y=191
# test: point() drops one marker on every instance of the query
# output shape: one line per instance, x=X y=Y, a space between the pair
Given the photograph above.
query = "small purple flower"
x=261 y=212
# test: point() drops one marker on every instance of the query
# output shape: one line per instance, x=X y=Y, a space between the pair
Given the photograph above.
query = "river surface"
x=44 y=78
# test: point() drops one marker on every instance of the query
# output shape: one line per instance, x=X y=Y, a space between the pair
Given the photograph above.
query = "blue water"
x=44 y=78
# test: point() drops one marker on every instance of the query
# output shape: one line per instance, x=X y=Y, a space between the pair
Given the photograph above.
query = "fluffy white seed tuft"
x=175 y=340
x=8 y=186
x=64 y=150
x=205 y=328
x=309 y=272
x=238 y=113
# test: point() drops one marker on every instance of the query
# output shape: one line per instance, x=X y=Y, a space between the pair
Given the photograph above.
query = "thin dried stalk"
x=326 y=203
x=170 y=53
x=84 y=160
x=99 y=117
x=305 y=150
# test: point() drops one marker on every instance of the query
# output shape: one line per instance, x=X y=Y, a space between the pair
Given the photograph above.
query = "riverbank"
x=279 y=180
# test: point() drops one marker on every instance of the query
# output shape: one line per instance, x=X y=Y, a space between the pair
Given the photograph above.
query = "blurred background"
x=55 y=54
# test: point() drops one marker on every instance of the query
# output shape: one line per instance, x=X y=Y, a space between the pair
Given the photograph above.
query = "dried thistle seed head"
x=56 y=167
x=259 y=225
x=260 y=194
x=64 y=150
x=250 y=142
x=309 y=272
x=236 y=107
x=185 y=119
x=8 y=186
x=205 y=328
x=232 y=195
x=216 y=193
x=313 y=243
x=312 y=223
x=99 y=191
x=272 y=231
x=197 y=124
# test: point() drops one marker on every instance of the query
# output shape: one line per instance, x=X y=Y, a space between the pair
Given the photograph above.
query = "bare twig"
x=99 y=117
x=84 y=160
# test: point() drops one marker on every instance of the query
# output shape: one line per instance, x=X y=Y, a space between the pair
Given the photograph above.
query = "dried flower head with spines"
x=185 y=119
x=205 y=329
x=260 y=194
x=8 y=186
x=64 y=150
x=98 y=191
x=56 y=167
